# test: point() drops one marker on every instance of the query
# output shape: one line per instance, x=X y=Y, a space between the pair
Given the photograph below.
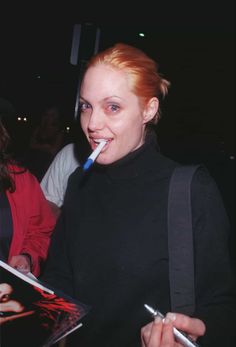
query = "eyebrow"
x=105 y=99
x=81 y=98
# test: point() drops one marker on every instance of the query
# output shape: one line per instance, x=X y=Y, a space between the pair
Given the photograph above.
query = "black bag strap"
x=180 y=240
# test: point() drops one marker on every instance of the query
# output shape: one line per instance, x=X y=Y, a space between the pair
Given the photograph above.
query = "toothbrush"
x=91 y=159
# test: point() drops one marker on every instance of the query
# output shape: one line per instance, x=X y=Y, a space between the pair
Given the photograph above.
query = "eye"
x=113 y=108
x=83 y=106
x=5 y=297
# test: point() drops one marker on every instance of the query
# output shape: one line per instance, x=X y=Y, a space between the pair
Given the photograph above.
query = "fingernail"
x=171 y=316
x=166 y=320
x=157 y=320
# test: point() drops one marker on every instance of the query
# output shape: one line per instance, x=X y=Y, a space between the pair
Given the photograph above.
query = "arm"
x=215 y=281
x=58 y=272
x=41 y=225
x=33 y=222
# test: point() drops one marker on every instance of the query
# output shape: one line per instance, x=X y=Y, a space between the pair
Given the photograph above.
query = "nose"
x=96 y=120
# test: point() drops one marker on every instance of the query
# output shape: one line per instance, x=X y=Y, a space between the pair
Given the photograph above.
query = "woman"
x=26 y=221
x=110 y=246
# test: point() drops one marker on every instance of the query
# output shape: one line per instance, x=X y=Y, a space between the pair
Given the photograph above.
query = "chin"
x=106 y=161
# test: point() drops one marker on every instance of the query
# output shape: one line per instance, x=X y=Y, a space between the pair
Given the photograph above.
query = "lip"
x=94 y=142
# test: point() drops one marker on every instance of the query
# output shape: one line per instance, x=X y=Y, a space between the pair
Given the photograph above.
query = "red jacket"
x=33 y=220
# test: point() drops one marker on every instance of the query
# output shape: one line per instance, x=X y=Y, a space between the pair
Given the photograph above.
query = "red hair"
x=145 y=80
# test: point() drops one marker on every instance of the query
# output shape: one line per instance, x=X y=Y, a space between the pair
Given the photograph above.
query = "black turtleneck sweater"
x=109 y=249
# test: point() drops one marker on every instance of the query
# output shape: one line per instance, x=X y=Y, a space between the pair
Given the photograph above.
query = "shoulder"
x=204 y=190
x=65 y=153
x=22 y=175
x=67 y=149
x=18 y=172
x=202 y=183
x=16 y=169
x=66 y=157
x=202 y=180
x=206 y=195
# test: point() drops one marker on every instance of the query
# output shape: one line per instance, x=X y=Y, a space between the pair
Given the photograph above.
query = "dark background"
x=193 y=42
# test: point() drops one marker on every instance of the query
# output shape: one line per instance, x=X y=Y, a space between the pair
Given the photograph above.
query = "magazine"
x=32 y=314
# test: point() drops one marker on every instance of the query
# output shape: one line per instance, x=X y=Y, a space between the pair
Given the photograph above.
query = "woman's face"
x=5 y=292
x=111 y=111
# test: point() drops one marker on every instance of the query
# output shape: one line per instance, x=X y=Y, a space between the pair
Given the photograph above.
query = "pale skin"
x=20 y=262
x=111 y=111
x=5 y=292
x=160 y=333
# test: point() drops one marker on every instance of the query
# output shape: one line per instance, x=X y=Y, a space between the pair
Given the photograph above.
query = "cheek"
x=127 y=126
x=83 y=123
x=134 y=128
x=130 y=137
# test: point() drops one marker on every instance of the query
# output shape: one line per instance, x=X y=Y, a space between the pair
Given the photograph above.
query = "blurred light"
x=22 y=119
x=67 y=129
x=38 y=77
x=141 y=34
x=232 y=157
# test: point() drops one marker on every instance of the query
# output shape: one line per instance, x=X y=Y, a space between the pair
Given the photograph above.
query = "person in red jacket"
x=26 y=219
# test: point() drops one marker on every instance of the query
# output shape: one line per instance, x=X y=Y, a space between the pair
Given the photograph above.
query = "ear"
x=150 y=110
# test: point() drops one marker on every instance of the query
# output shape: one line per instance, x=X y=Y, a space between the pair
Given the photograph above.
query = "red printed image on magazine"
x=32 y=315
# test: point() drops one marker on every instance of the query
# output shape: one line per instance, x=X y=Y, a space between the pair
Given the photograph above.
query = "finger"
x=145 y=334
x=192 y=326
x=168 y=339
x=23 y=268
x=156 y=333
x=20 y=263
x=151 y=333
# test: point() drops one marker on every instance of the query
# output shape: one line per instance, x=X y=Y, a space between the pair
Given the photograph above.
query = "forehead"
x=102 y=79
x=5 y=288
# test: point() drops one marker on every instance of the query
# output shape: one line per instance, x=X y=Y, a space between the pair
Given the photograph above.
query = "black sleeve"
x=57 y=272
x=58 y=269
x=215 y=281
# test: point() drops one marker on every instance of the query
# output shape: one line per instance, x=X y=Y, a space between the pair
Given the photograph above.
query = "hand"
x=21 y=263
x=160 y=333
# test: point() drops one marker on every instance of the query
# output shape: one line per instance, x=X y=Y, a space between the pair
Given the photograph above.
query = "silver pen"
x=180 y=336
